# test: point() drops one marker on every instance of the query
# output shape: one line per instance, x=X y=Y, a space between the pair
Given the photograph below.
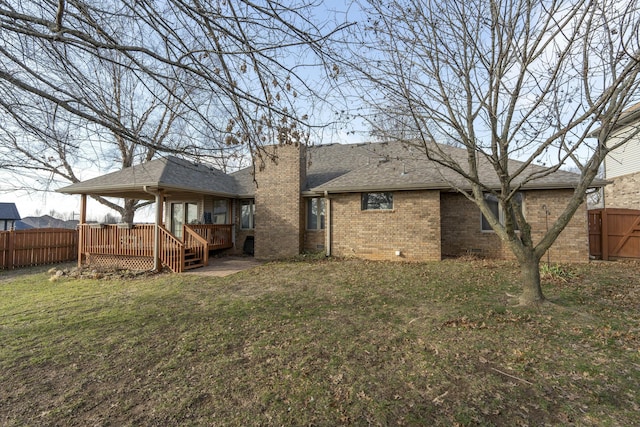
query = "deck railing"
x=171 y=251
x=108 y=239
x=196 y=244
x=131 y=241
x=136 y=240
x=217 y=236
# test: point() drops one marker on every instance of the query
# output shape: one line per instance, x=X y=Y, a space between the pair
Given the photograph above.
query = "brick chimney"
x=279 y=209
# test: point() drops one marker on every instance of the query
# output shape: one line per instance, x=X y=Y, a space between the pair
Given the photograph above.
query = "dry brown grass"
x=320 y=342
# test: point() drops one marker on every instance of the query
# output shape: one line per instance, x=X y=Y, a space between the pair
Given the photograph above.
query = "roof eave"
x=104 y=189
x=624 y=120
x=376 y=188
x=113 y=190
x=417 y=187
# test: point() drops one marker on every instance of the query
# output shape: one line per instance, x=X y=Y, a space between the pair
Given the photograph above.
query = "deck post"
x=83 y=220
x=156 y=237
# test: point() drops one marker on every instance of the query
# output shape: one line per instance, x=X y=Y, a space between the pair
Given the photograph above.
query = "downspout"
x=156 y=234
x=233 y=208
x=327 y=231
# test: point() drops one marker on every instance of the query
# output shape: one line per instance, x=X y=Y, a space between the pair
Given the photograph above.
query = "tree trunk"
x=531 y=289
x=128 y=210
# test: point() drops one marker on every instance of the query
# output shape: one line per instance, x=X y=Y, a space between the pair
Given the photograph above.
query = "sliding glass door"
x=182 y=213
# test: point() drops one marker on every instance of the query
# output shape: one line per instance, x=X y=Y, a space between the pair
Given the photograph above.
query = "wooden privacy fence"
x=614 y=233
x=23 y=248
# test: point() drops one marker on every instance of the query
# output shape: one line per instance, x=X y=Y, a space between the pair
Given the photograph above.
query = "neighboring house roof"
x=624 y=144
x=332 y=168
x=628 y=116
x=46 y=221
x=9 y=211
x=20 y=225
x=171 y=174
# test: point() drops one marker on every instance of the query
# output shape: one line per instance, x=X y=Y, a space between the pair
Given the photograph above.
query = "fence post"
x=5 y=250
x=11 y=249
x=605 y=235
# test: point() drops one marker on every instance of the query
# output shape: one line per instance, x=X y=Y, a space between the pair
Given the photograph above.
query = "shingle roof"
x=245 y=186
x=169 y=173
x=396 y=166
x=628 y=116
x=9 y=211
x=332 y=168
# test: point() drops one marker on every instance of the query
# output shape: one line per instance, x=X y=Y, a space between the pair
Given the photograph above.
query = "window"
x=315 y=213
x=220 y=208
x=495 y=208
x=247 y=209
x=377 y=201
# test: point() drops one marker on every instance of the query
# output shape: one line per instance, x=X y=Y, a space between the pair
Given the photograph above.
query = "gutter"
x=114 y=190
x=373 y=188
x=625 y=119
x=367 y=189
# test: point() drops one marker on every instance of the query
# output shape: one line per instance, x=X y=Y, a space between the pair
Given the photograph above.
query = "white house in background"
x=622 y=165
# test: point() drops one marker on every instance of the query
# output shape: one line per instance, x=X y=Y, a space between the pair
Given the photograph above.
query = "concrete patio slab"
x=225 y=266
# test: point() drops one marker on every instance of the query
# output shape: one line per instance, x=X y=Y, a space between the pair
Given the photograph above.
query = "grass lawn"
x=323 y=342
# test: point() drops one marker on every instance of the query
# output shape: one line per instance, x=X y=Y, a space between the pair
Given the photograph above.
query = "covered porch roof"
x=170 y=175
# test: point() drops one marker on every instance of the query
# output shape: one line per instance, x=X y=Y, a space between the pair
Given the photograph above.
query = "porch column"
x=156 y=237
x=83 y=220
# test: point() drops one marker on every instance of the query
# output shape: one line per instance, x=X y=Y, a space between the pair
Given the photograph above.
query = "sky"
x=40 y=202
x=37 y=203
x=34 y=202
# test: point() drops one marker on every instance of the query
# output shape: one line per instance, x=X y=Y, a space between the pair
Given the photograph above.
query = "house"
x=622 y=165
x=8 y=216
x=382 y=201
x=21 y=225
x=45 y=221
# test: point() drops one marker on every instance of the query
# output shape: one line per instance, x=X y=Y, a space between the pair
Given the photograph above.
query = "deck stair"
x=191 y=260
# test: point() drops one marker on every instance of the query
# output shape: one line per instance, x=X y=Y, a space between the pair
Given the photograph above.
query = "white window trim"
x=252 y=205
x=318 y=220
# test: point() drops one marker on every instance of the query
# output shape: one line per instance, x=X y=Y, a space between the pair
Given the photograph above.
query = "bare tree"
x=503 y=79
x=229 y=76
x=40 y=137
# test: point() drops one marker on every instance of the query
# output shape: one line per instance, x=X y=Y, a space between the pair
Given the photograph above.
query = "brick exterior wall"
x=461 y=233
x=279 y=225
x=314 y=240
x=412 y=227
x=423 y=225
x=624 y=192
x=573 y=243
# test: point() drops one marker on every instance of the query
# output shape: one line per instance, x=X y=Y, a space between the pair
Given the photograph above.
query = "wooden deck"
x=133 y=245
x=217 y=236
